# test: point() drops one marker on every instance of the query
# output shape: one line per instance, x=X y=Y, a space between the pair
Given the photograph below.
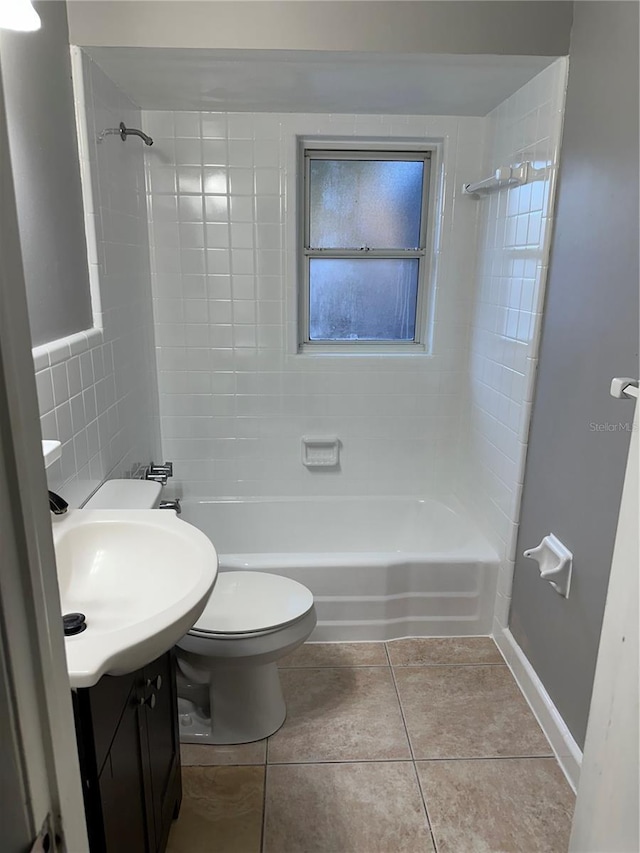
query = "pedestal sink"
x=140 y=577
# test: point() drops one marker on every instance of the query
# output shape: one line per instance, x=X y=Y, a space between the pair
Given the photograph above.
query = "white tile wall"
x=235 y=397
x=513 y=248
x=97 y=390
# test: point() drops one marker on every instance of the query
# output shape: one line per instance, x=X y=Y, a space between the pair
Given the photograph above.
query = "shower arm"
x=123 y=131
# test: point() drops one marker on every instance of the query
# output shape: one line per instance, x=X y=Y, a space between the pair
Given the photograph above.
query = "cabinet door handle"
x=149 y=701
x=155 y=682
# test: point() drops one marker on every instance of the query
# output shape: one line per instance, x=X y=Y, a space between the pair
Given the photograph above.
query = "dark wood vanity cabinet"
x=127 y=731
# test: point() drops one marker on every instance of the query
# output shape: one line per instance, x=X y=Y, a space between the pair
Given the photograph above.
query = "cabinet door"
x=121 y=788
x=107 y=702
x=163 y=744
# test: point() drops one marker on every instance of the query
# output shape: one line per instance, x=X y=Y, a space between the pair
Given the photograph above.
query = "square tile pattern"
x=222 y=229
x=508 y=303
x=97 y=389
x=422 y=745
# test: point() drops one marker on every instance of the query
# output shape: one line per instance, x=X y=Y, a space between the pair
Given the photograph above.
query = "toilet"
x=228 y=682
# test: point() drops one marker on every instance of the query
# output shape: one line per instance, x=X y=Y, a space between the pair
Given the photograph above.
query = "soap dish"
x=321 y=452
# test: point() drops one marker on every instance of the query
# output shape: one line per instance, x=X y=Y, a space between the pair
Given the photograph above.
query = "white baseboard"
x=564 y=746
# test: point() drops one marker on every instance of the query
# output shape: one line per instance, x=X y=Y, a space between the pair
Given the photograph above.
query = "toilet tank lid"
x=125 y=494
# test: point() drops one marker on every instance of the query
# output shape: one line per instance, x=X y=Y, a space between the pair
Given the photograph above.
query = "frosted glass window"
x=372 y=203
x=364 y=251
x=363 y=299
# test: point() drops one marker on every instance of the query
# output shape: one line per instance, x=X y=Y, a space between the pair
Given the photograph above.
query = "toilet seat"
x=252 y=604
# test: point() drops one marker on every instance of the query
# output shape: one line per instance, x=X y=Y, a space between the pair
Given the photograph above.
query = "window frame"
x=366 y=149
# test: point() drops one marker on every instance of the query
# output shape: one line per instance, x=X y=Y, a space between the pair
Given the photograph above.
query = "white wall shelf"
x=506 y=176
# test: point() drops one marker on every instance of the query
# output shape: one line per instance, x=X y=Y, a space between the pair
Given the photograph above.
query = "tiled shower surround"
x=513 y=249
x=235 y=396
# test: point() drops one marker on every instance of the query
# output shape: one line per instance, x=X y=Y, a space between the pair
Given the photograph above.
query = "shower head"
x=131 y=131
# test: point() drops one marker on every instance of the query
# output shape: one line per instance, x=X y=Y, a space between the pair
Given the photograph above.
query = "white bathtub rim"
x=451 y=502
x=482 y=555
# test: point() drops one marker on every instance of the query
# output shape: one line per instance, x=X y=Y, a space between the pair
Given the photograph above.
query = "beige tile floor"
x=413 y=746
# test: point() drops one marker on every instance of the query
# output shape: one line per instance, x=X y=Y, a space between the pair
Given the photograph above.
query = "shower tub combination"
x=379 y=568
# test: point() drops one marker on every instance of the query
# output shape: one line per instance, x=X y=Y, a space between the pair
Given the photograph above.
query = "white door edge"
x=607 y=808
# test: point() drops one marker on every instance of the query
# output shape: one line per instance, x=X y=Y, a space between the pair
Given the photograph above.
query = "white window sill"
x=365 y=350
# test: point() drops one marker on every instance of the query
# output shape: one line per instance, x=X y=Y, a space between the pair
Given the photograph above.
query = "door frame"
x=36 y=686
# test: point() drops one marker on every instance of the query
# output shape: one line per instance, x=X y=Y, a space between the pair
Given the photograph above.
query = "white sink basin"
x=141 y=578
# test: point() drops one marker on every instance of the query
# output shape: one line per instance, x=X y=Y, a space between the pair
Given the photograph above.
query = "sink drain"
x=74 y=623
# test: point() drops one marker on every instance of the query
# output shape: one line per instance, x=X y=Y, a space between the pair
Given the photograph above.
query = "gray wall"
x=478 y=26
x=36 y=74
x=574 y=474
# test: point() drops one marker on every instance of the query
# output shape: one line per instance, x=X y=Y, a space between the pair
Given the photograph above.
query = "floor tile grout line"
x=490 y=757
x=430 y=665
x=339 y=666
x=413 y=760
x=404 y=722
x=333 y=666
x=537 y=756
x=264 y=812
x=328 y=761
x=424 y=804
x=343 y=761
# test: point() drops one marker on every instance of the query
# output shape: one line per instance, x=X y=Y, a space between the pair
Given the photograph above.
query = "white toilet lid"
x=247 y=602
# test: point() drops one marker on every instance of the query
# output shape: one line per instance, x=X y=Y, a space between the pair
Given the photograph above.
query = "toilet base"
x=194 y=728
x=246 y=705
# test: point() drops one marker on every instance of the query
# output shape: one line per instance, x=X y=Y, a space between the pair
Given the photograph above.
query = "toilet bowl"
x=228 y=682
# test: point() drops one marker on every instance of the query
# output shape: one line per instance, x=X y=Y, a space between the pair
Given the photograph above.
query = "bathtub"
x=379 y=568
